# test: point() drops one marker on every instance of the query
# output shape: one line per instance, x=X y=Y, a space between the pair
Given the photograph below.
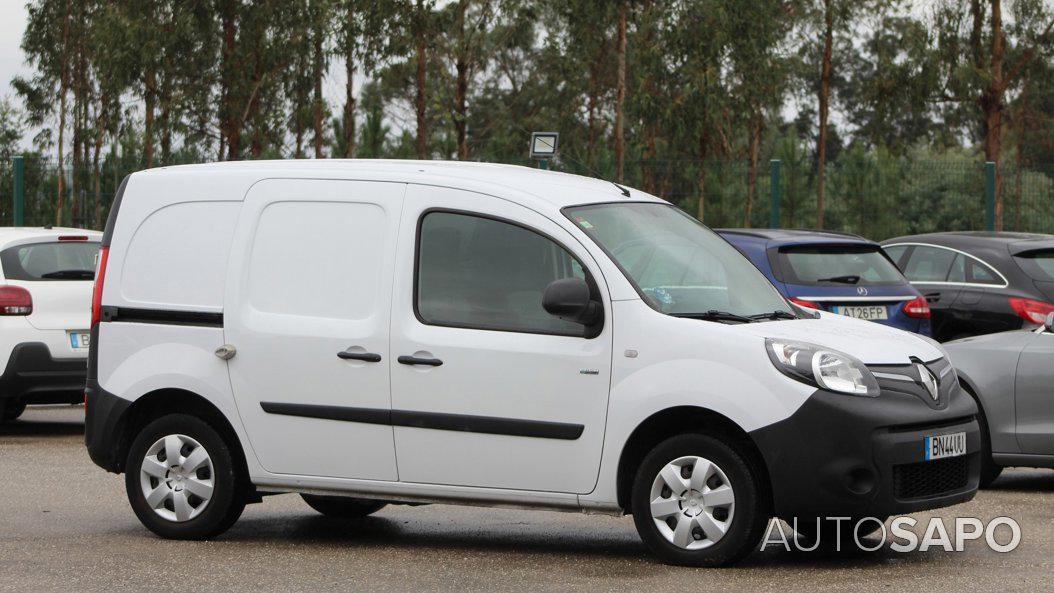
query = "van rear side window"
x=50 y=261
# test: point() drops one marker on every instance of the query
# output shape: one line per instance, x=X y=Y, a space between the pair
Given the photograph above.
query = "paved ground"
x=64 y=524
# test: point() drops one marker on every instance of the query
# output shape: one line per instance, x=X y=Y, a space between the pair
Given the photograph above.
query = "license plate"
x=869 y=313
x=80 y=340
x=945 y=445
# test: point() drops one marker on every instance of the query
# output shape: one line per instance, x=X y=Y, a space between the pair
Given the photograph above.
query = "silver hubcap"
x=692 y=503
x=177 y=478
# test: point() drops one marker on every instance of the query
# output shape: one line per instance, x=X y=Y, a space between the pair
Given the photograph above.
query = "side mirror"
x=1050 y=323
x=570 y=300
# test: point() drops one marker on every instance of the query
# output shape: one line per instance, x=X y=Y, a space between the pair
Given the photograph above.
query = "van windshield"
x=679 y=266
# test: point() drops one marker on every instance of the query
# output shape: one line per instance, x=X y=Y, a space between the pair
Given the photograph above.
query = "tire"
x=342 y=507
x=833 y=532
x=989 y=470
x=178 y=512
x=11 y=411
x=740 y=508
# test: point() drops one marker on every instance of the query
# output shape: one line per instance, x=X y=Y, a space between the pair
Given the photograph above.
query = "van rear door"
x=307 y=308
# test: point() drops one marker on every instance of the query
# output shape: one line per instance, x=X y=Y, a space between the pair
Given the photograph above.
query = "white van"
x=371 y=332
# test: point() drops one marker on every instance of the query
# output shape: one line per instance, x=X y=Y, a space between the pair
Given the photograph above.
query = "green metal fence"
x=875 y=195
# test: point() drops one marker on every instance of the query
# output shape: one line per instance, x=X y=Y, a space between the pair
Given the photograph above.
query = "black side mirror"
x=1050 y=323
x=570 y=300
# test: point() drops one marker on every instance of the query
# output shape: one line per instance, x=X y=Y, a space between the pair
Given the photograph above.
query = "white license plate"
x=869 y=313
x=80 y=340
x=945 y=445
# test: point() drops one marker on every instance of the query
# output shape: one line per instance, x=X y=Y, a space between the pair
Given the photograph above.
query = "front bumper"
x=33 y=376
x=842 y=455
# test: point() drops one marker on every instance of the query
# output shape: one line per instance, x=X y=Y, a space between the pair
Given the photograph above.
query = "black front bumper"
x=843 y=455
x=34 y=377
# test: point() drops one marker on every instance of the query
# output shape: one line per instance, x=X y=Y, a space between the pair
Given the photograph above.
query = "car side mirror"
x=571 y=300
x=1050 y=323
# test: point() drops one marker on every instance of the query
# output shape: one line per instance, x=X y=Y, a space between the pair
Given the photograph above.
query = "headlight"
x=822 y=367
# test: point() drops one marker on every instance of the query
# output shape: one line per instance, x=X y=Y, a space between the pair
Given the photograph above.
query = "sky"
x=12 y=24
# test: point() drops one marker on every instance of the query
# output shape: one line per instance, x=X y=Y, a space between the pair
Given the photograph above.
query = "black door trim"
x=161 y=316
x=541 y=429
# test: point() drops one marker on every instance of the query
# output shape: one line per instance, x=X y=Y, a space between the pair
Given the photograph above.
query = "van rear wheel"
x=342 y=507
x=697 y=502
x=181 y=479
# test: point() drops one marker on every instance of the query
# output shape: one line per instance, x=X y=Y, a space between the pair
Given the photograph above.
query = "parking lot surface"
x=65 y=525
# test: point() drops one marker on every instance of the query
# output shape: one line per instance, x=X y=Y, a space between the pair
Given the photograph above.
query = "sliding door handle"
x=431 y=362
x=365 y=356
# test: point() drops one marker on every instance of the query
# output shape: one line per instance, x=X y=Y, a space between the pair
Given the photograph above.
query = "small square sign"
x=543 y=144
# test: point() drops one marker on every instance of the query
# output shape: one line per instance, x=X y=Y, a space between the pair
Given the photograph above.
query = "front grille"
x=928 y=479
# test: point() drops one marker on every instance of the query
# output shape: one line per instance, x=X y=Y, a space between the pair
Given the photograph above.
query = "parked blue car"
x=836 y=272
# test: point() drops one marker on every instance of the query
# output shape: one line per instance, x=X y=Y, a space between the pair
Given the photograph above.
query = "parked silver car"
x=1011 y=375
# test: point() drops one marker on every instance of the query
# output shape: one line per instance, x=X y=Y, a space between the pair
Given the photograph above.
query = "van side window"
x=481 y=273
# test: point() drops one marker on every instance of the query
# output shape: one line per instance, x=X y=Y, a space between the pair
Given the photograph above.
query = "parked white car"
x=367 y=332
x=45 y=290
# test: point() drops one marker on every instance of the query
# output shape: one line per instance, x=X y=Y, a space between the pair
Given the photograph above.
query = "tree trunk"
x=419 y=99
x=824 y=97
x=230 y=128
x=100 y=127
x=63 y=83
x=150 y=100
x=620 y=93
x=165 y=122
x=752 y=170
x=461 y=89
x=317 y=70
x=992 y=104
x=349 y=87
x=704 y=145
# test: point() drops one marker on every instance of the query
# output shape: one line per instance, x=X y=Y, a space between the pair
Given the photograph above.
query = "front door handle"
x=365 y=356
x=432 y=362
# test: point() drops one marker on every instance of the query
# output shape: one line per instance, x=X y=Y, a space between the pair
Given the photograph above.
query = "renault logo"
x=860 y=290
x=929 y=381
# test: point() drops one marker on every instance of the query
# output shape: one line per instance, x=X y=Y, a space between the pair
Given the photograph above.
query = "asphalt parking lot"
x=65 y=524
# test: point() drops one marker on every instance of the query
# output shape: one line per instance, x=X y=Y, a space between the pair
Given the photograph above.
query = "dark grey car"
x=1011 y=374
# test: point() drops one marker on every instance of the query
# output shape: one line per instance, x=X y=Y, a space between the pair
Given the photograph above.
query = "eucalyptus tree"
x=984 y=57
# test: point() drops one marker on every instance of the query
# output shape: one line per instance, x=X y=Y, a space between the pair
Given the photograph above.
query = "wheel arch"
x=161 y=402
x=666 y=423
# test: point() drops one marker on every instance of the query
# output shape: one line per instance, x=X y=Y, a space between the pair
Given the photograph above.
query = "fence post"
x=774 y=194
x=19 y=195
x=989 y=196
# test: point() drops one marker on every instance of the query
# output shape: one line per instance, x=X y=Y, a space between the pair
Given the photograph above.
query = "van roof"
x=556 y=188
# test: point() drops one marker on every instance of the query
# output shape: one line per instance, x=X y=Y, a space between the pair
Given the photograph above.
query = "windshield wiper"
x=778 y=314
x=715 y=315
x=70 y=275
x=849 y=279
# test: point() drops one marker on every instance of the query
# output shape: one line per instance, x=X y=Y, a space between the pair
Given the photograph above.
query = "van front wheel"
x=181 y=479
x=697 y=502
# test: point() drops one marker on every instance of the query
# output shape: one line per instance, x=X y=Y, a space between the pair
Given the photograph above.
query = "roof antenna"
x=624 y=191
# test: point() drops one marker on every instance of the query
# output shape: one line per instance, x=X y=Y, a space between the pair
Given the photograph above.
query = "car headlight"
x=822 y=367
